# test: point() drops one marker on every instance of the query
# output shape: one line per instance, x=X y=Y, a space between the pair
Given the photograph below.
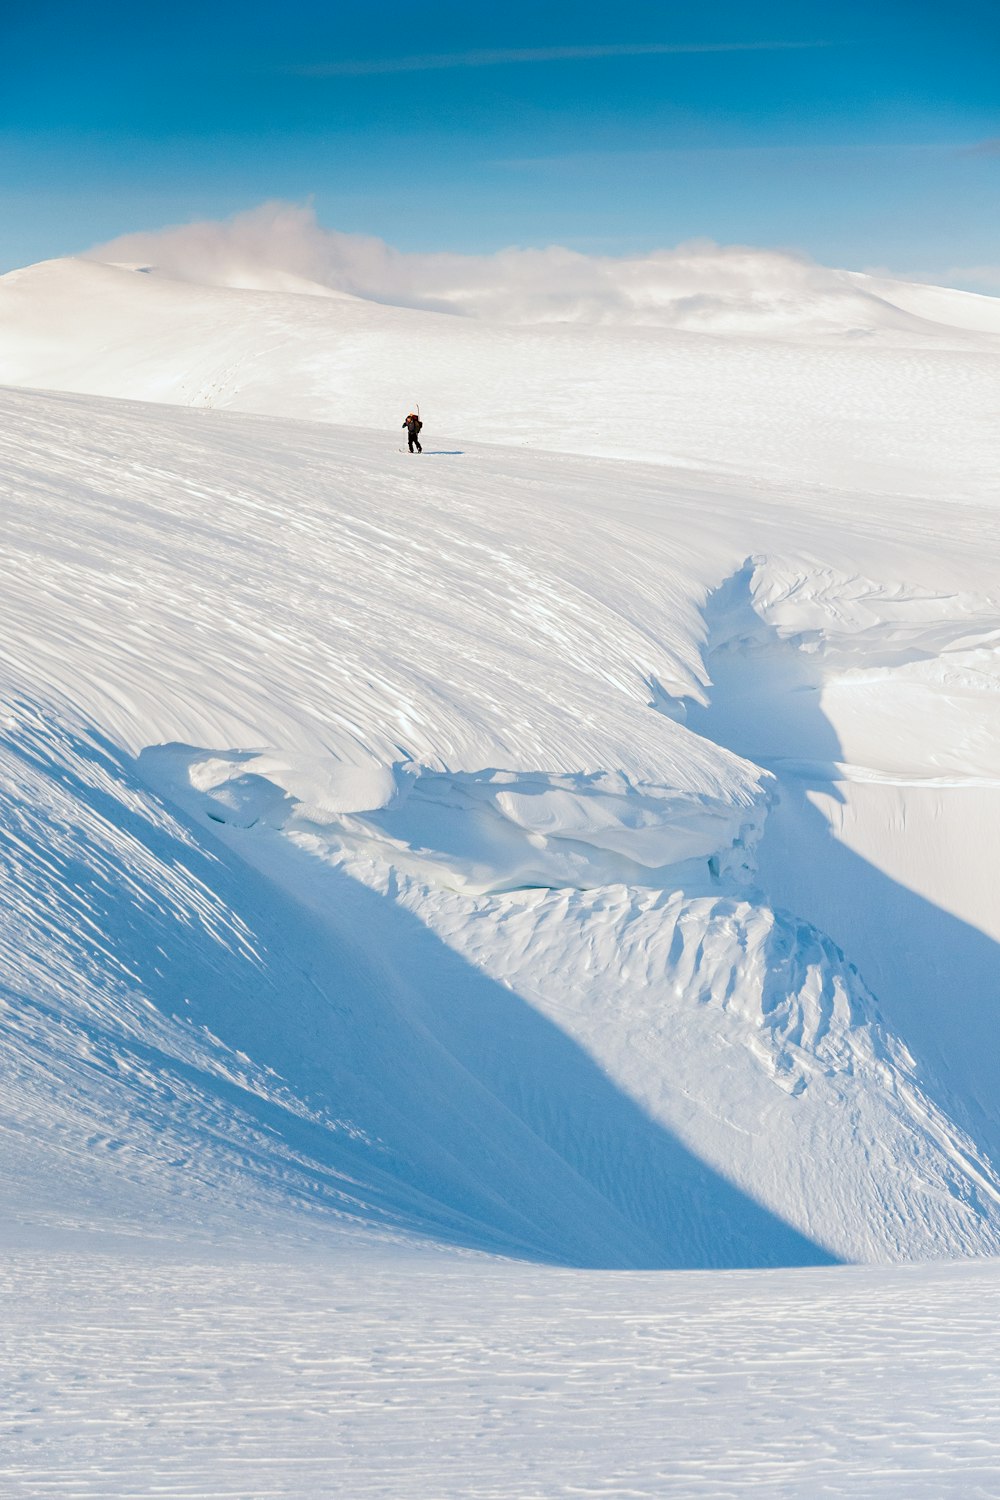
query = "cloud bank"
x=698 y=285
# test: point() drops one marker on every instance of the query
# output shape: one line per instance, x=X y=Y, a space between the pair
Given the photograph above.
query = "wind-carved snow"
x=659 y=981
x=121 y=1103
x=747 y=1031
x=466 y=766
x=476 y=832
x=875 y=706
x=187 y=1048
x=785 y=1004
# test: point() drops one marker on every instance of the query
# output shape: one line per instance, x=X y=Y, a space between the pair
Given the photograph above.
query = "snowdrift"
x=432 y=852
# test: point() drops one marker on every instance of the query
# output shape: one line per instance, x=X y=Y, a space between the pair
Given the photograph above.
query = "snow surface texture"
x=485 y=729
x=387 y=1377
x=528 y=853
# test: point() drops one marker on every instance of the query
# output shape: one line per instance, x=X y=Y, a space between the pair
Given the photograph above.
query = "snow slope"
x=343 y=675
x=507 y=853
x=784 y=401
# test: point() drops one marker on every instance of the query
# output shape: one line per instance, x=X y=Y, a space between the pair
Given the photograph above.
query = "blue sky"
x=866 y=134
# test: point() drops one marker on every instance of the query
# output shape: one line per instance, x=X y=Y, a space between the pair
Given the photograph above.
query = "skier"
x=413 y=425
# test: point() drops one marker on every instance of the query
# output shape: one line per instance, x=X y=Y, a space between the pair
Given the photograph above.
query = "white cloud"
x=280 y=246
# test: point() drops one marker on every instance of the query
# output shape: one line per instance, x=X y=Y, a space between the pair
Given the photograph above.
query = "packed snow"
x=434 y=885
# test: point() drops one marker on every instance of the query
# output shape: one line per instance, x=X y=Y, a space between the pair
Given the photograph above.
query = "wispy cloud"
x=430 y=62
x=990 y=147
x=643 y=157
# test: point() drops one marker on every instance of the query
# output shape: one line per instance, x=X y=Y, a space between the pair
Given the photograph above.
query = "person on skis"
x=413 y=425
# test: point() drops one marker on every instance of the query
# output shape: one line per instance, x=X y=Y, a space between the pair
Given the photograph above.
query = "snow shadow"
x=936 y=977
x=501 y=1094
x=348 y=1066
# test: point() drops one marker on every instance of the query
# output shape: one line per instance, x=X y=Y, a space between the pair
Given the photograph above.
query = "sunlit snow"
x=435 y=887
